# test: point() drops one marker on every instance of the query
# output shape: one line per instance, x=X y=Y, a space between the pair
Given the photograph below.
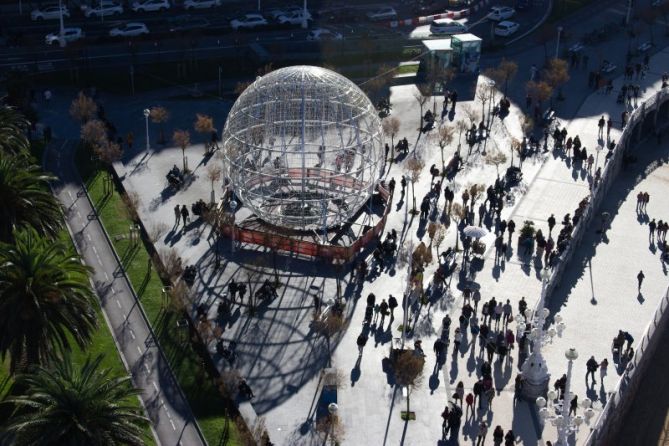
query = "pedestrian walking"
x=459 y=394
x=383 y=309
x=362 y=341
x=483 y=431
x=499 y=310
x=603 y=369
x=646 y=199
x=509 y=438
x=445 y=415
x=651 y=228
x=592 y=365
x=457 y=340
x=551 y=224
x=507 y=310
x=609 y=124
x=498 y=436
x=469 y=400
x=573 y=405
x=601 y=124
x=522 y=306
x=478 y=391
x=392 y=304
x=639 y=278
x=177 y=215
x=511 y=227
x=185 y=215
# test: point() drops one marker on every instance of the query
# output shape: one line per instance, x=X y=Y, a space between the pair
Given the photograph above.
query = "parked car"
x=201 y=4
x=49 y=12
x=248 y=21
x=187 y=23
x=320 y=34
x=132 y=29
x=294 y=18
x=447 y=27
x=499 y=13
x=506 y=28
x=151 y=5
x=274 y=13
x=384 y=13
x=102 y=9
x=69 y=35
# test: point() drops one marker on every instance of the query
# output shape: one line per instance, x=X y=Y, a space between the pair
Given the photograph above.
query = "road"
x=171 y=417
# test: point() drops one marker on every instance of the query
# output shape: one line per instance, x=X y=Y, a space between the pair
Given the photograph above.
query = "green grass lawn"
x=205 y=400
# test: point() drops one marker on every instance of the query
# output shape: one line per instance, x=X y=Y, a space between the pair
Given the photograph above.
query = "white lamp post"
x=305 y=24
x=534 y=368
x=147 y=113
x=491 y=89
x=558 y=412
x=233 y=208
x=598 y=149
x=557 y=46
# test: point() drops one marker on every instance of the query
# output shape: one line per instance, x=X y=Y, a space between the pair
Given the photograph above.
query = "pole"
x=534 y=368
x=557 y=46
x=563 y=428
x=20 y=8
x=62 y=24
x=629 y=12
x=305 y=25
x=146 y=119
x=132 y=79
x=258 y=5
x=219 y=80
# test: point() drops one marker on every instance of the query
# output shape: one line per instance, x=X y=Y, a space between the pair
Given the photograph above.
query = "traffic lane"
x=526 y=18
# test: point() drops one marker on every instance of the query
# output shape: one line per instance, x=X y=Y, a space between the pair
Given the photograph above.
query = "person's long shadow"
x=454 y=368
x=355 y=371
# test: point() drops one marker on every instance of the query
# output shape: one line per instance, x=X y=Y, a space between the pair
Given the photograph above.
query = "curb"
x=536 y=25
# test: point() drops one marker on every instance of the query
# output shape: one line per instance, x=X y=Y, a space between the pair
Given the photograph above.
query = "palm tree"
x=25 y=199
x=64 y=405
x=13 y=126
x=46 y=301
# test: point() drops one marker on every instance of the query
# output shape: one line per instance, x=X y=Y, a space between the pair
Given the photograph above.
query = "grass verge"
x=207 y=404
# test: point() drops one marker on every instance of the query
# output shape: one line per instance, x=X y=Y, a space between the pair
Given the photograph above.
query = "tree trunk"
x=457 y=234
x=183 y=156
x=413 y=196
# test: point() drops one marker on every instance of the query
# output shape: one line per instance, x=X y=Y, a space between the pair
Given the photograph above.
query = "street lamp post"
x=557 y=46
x=558 y=412
x=598 y=149
x=61 y=31
x=147 y=113
x=305 y=25
x=332 y=410
x=491 y=88
x=534 y=369
x=233 y=208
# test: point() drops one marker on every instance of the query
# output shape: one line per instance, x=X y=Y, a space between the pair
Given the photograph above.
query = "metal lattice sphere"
x=303 y=147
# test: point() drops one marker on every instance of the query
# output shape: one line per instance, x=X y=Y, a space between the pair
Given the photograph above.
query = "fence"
x=635 y=131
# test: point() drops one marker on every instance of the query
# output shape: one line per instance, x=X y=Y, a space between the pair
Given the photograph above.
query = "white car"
x=506 y=28
x=384 y=13
x=248 y=21
x=201 y=4
x=499 y=13
x=151 y=5
x=319 y=34
x=50 y=12
x=132 y=29
x=102 y=9
x=295 y=18
x=447 y=27
x=69 y=35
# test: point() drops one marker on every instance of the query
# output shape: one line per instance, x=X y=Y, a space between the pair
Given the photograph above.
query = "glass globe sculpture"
x=303 y=148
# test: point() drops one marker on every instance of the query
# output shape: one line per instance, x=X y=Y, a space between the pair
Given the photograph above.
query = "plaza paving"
x=282 y=357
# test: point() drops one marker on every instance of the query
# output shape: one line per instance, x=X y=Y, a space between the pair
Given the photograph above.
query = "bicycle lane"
x=170 y=414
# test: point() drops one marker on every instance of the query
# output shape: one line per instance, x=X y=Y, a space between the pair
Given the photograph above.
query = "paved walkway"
x=169 y=412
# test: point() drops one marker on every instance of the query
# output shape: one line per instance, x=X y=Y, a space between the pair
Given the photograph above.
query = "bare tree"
x=496 y=158
x=445 y=138
x=422 y=100
x=515 y=147
x=539 y=91
x=159 y=115
x=157 y=230
x=131 y=205
x=483 y=95
x=108 y=152
x=214 y=174
x=507 y=70
x=475 y=191
x=439 y=236
x=557 y=74
x=408 y=368
x=182 y=139
x=203 y=124
x=83 y=108
x=461 y=125
x=93 y=132
x=391 y=127
x=471 y=114
x=458 y=213
x=415 y=165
